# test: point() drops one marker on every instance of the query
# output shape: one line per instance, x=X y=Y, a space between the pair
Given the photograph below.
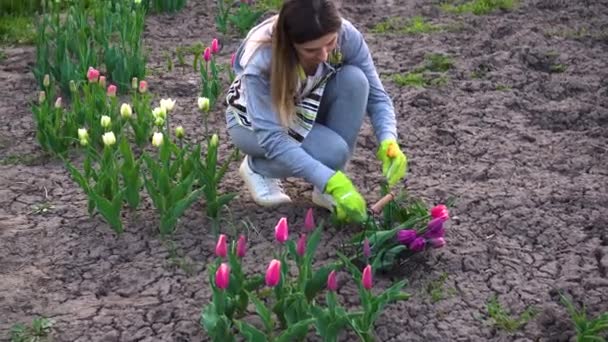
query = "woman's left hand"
x=394 y=162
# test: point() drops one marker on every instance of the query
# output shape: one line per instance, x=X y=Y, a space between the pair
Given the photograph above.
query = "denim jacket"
x=272 y=136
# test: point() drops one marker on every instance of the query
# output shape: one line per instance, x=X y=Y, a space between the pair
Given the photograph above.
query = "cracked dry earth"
x=518 y=136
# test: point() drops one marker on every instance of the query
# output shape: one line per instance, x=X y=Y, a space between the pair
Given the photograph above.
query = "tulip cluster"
x=210 y=79
x=433 y=235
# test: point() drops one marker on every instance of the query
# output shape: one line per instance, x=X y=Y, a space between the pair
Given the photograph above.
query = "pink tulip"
x=112 y=90
x=437 y=242
x=417 y=245
x=143 y=86
x=332 y=283
x=92 y=75
x=207 y=54
x=222 y=276
x=309 y=221
x=241 y=247
x=301 y=245
x=367 y=250
x=273 y=273
x=366 y=279
x=440 y=211
x=281 y=232
x=221 y=248
x=102 y=81
x=215 y=46
x=232 y=59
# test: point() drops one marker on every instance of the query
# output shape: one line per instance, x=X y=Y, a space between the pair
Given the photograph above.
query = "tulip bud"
x=207 y=54
x=309 y=221
x=102 y=81
x=417 y=245
x=367 y=250
x=273 y=273
x=157 y=139
x=108 y=138
x=92 y=75
x=73 y=88
x=134 y=83
x=58 y=103
x=143 y=86
x=168 y=104
x=46 y=81
x=332 y=283
x=83 y=134
x=106 y=121
x=241 y=246
x=179 y=132
x=301 y=245
x=435 y=228
x=84 y=142
x=158 y=121
x=137 y=2
x=41 y=97
x=232 y=59
x=440 y=211
x=222 y=276
x=125 y=110
x=214 y=140
x=215 y=46
x=406 y=236
x=221 y=248
x=281 y=231
x=437 y=242
x=366 y=278
x=203 y=104
x=160 y=112
x=111 y=90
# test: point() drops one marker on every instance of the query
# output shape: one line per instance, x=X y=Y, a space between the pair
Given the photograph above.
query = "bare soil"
x=519 y=135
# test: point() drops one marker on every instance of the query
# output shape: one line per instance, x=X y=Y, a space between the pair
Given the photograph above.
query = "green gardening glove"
x=394 y=162
x=349 y=203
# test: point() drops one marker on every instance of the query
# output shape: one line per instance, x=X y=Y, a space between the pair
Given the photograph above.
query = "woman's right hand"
x=350 y=205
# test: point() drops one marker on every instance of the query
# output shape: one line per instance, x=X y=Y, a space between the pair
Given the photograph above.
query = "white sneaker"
x=323 y=200
x=265 y=191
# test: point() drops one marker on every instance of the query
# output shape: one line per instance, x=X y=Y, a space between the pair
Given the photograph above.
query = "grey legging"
x=333 y=136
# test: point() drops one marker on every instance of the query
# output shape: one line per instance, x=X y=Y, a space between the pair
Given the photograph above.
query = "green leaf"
x=313 y=242
x=209 y=317
x=254 y=283
x=250 y=333
x=264 y=313
x=108 y=211
x=317 y=282
x=296 y=331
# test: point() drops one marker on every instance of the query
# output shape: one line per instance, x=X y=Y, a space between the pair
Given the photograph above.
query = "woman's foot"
x=265 y=191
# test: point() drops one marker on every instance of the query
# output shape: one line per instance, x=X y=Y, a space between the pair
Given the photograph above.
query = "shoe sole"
x=259 y=201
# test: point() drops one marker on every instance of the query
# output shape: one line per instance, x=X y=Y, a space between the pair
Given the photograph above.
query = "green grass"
x=430 y=74
x=38 y=331
x=29 y=159
x=587 y=329
x=20 y=7
x=2 y=55
x=415 y=25
x=436 y=289
x=16 y=30
x=506 y=321
x=479 y=7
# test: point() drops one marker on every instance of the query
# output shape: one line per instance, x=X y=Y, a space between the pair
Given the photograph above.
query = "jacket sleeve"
x=273 y=137
x=379 y=105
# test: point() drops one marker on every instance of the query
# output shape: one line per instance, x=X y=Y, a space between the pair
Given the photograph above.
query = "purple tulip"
x=405 y=236
x=435 y=228
x=437 y=242
x=417 y=245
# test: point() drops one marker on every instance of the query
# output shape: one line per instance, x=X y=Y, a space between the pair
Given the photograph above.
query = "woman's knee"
x=245 y=140
x=353 y=80
x=328 y=147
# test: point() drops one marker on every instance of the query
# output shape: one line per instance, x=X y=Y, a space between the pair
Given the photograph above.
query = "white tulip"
x=109 y=138
x=157 y=139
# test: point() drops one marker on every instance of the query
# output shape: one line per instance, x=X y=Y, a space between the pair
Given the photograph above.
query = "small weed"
x=24 y=159
x=504 y=320
x=415 y=25
x=412 y=79
x=558 y=68
x=38 y=331
x=177 y=260
x=436 y=288
x=479 y=7
x=269 y=5
x=502 y=87
x=16 y=30
x=2 y=55
x=587 y=330
x=42 y=208
x=438 y=62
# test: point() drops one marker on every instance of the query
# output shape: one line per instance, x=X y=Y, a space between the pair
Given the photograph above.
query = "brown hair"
x=299 y=21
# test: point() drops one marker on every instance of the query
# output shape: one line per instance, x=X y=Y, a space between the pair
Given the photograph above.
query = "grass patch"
x=436 y=289
x=430 y=74
x=16 y=30
x=479 y=7
x=587 y=329
x=2 y=55
x=29 y=159
x=506 y=321
x=39 y=330
x=502 y=87
x=415 y=25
